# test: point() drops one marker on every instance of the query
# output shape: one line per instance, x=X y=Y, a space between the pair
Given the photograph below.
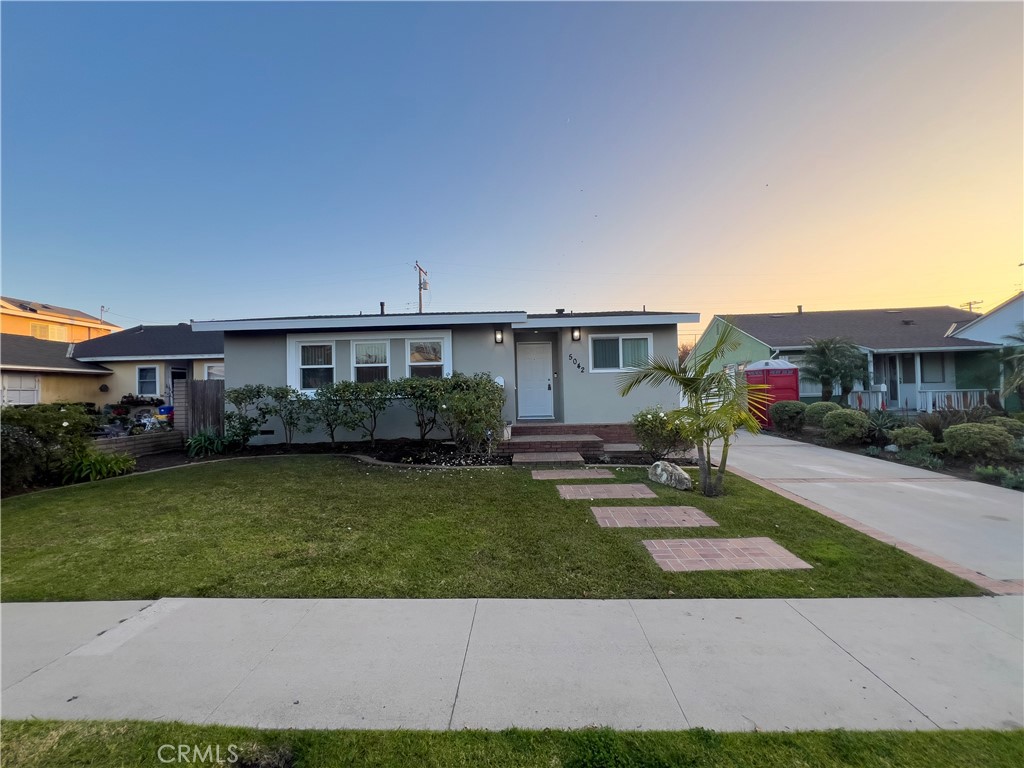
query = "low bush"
x=424 y=397
x=249 y=414
x=90 y=465
x=846 y=426
x=206 y=443
x=292 y=408
x=933 y=424
x=979 y=442
x=1014 y=427
x=920 y=457
x=912 y=437
x=1008 y=478
x=881 y=424
x=471 y=412
x=658 y=434
x=788 y=416
x=816 y=412
x=37 y=440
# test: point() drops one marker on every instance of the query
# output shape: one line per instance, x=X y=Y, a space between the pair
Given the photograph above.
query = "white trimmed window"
x=426 y=358
x=370 y=360
x=620 y=353
x=316 y=365
x=147 y=384
x=214 y=371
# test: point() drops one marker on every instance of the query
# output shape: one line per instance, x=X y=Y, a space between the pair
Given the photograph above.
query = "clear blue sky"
x=176 y=161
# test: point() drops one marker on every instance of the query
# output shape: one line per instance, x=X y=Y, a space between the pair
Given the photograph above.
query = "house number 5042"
x=577 y=363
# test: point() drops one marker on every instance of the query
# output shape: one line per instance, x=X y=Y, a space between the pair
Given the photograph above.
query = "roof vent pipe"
x=560 y=311
x=382 y=307
x=799 y=309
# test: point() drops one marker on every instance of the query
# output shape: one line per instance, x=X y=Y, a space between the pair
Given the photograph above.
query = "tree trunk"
x=718 y=486
x=703 y=468
x=826 y=391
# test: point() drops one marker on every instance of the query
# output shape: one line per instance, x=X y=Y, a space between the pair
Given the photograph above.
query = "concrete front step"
x=587 y=445
x=618 y=433
x=546 y=459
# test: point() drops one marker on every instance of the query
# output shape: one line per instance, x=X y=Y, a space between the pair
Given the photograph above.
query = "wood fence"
x=141 y=445
x=199 y=406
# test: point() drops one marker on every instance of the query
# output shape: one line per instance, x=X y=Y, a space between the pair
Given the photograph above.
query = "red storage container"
x=782 y=379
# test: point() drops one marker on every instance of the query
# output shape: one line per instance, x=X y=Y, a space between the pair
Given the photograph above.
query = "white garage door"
x=20 y=389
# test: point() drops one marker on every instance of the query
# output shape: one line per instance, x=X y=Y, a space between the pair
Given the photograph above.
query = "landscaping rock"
x=891 y=449
x=667 y=473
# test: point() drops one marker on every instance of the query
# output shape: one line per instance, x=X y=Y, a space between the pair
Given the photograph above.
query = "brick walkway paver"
x=610 y=491
x=572 y=474
x=650 y=517
x=722 y=555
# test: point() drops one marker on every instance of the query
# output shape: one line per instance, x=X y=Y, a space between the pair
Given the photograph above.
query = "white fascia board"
x=356 y=323
x=130 y=358
x=573 y=321
x=979 y=348
x=41 y=369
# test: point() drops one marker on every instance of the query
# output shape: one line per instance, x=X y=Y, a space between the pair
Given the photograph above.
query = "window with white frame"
x=214 y=371
x=933 y=369
x=316 y=365
x=370 y=360
x=618 y=353
x=146 y=384
x=426 y=358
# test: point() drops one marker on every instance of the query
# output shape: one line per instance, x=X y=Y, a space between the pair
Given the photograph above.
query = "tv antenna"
x=421 y=277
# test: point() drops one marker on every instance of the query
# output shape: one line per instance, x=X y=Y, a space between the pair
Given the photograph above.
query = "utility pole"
x=969 y=305
x=102 y=310
x=421 y=278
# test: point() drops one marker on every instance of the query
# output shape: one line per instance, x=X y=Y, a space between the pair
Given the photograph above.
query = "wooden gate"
x=199 y=406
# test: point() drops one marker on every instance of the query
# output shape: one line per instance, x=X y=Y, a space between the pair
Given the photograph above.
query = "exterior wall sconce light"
x=575 y=334
x=499 y=336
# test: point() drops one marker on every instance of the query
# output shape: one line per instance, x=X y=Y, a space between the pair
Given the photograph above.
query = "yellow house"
x=50 y=323
x=146 y=360
x=36 y=371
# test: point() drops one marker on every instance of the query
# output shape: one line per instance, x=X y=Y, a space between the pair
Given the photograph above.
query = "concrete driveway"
x=731 y=665
x=974 y=525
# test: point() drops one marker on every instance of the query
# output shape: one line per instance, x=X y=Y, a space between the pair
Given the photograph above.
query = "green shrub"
x=816 y=412
x=846 y=426
x=1008 y=478
x=424 y=397
x=920 y=457
x=20 y=456
x=89 y=465
x=788 y=416
x=1014 y=427
x=880 y=426
x=292 y=408
x=39 y=439
x=206 y=443
x=1018 y=416
x=471 y=411
x=912 y=437
x=932 y=423
x=979 y=442
x=873 y=451
x=249 y=414
x=658 y=433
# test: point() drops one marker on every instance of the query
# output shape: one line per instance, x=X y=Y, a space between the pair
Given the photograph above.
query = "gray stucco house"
x=560 y=368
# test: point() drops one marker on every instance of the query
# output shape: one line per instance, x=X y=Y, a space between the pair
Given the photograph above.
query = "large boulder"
x=667 y=473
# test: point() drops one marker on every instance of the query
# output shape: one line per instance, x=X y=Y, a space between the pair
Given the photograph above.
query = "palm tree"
x=716 y=402
x=829 y=362
x=1013 y=358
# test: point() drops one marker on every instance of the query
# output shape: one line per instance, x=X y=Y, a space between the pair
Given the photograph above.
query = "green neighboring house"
x=915 y=361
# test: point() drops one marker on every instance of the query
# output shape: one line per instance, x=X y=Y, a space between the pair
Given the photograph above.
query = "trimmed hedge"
x=788 y=416
x=979 y=442
x=816 y=412
x=846 y=426
x=1014 y=427
x=912 y=437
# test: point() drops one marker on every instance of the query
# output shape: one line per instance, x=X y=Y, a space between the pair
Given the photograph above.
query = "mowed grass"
x=324 y=526
x=38 y=743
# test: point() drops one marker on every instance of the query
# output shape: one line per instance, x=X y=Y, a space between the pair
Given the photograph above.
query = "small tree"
x=471 y=411
x=249 y=414
x=717 y=403
x=367 y=401
x=832 y=362
x=332 y=407
x=424 y=397
x=292 y=408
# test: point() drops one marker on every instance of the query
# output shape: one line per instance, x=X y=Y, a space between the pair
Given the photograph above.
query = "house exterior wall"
x=1000 y=322
x=59 y=387
x=593 y=397
x=750 y=349
x=475 y=351
x=21 y=325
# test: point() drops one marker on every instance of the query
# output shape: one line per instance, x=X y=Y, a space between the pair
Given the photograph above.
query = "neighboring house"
x=50 y=323
x=560 y=367
x=908 y=350
x=995 y=325
x=146 y=360
x=35 y=371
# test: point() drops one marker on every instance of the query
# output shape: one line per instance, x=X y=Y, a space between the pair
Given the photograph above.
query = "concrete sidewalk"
x=439 y=664
x=976 y=526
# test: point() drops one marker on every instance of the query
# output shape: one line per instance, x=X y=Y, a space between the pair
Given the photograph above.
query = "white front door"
x=533 y=380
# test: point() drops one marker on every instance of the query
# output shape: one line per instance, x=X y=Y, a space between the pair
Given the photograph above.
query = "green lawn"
x=323 y=526
x=38 y=743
